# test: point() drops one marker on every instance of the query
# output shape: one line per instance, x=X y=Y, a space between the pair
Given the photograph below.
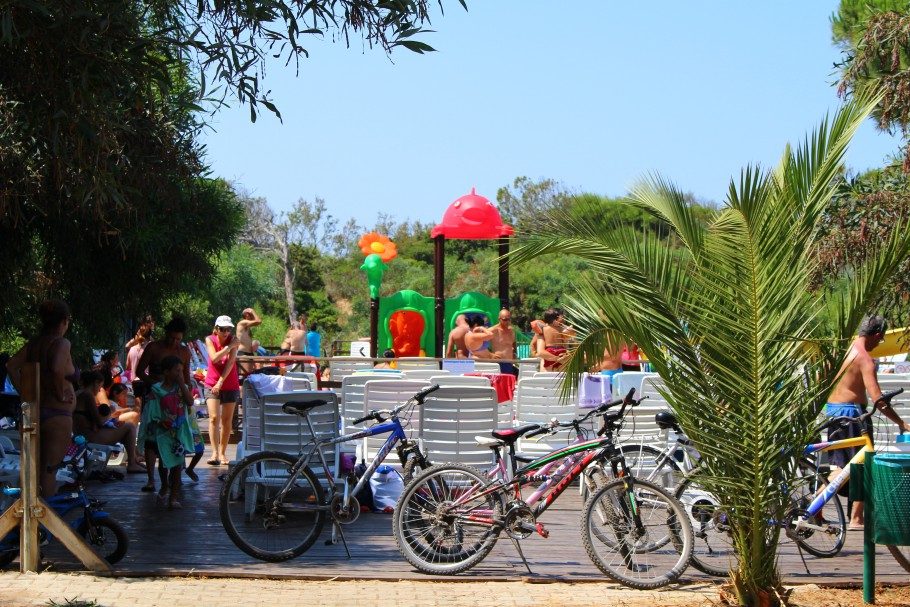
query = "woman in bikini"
x=57 y=398
x=475 y=340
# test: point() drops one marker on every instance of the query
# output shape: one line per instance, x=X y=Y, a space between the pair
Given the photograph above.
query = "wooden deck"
x=192 y=541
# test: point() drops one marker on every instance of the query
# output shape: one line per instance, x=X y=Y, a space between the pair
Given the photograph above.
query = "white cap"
x=224 y=321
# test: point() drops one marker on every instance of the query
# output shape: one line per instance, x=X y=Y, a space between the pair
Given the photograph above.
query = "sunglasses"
x=224 y=329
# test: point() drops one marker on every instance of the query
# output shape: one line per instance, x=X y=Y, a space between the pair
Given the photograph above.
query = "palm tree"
x=727 y=318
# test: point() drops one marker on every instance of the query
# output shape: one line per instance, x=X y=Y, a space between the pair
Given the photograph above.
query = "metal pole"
x=374 y=326
x=868 y=531
x=439 y=266
x=503 y=273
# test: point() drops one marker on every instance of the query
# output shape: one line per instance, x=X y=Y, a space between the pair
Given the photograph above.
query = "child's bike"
x=273 y=506
x=104 y=534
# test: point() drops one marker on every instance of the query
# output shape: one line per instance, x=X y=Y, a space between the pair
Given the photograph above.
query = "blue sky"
x=594 y=94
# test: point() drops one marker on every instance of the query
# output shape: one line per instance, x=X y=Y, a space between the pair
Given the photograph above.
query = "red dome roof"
x=472 y=217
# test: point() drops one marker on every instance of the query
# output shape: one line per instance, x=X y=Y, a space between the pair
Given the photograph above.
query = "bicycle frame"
x=396 y=433
x=863 y=441
x=586 y=451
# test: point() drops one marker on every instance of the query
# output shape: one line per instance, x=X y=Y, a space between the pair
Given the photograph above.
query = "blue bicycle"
x=104 y=534
x=273 y=505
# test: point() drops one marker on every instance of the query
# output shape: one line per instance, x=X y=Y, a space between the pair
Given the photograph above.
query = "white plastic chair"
x=485 y=367
x=342 y=366
x=640 y=427
x=388 y=394
x=450 y=419
x=885 y=429
x=409 y=363
x=537 y=401
x=423 y=373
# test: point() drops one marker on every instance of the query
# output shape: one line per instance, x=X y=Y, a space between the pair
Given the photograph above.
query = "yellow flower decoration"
x=380 y=245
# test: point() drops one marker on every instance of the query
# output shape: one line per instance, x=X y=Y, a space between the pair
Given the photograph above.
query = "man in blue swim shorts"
x=849 y=397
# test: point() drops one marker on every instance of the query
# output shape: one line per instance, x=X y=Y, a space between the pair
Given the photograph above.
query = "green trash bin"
x=891 y=492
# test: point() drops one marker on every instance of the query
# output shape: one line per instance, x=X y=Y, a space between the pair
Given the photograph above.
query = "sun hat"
x=224 y=321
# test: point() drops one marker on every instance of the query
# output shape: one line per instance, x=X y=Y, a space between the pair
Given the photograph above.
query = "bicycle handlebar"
x=845 y=419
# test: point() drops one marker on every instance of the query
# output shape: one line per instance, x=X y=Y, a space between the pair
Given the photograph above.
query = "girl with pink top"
x=222 y=386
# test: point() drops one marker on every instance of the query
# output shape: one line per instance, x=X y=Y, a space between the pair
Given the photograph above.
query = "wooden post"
x=30 y=511
x=32 y=508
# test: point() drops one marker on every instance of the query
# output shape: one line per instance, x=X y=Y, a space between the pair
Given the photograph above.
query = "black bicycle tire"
x=414 y=466
x=695 y=561
x=900 y=557
x=452 y=563
x=226 y=521
x=123 y=540
x=807 y=470
x=685 y=549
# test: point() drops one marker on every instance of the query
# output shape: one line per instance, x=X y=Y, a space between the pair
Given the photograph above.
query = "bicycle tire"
x=902 y=559
x=642 y=459
x=821 y=545
x=615 y=499
x=429 y=536
x=297 y=520
x=97 y=533
x=712 y=549
x=414 y=466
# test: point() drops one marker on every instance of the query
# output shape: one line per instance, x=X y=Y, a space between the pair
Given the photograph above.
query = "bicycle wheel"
x=414 y=466
x=712 y=549
x=902 y=555
x=263 y=524
x=107 y=537
x=649 y=464
x=823 y=534
x=637 y=520
x=443 y=524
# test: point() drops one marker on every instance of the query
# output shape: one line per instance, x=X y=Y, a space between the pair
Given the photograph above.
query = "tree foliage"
x=875 y=38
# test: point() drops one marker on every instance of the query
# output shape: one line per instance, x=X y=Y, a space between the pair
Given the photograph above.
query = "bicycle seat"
x=303 y=407
x=510 y=435
x=666 y=420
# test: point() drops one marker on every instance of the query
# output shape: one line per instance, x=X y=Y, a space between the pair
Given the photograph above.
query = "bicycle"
x=450 y=516
x=273 y=505
x=105 y=535
x=816 y=520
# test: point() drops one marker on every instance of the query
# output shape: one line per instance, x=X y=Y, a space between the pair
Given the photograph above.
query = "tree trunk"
x=288 y=280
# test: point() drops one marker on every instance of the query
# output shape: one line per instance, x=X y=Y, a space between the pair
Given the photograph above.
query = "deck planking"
x=192 y=541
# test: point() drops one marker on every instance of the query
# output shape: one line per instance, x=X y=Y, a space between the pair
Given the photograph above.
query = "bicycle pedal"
x=541 y=530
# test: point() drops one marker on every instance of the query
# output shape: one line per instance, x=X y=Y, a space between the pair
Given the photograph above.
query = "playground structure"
x=412 y=324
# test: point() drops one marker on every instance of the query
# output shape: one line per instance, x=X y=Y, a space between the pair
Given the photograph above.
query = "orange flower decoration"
x=380 y=245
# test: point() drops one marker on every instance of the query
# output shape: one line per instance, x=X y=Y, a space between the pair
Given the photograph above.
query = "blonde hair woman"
x=222 y=386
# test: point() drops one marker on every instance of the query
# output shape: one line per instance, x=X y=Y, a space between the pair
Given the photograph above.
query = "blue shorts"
x=842 y=457
x=611 y=372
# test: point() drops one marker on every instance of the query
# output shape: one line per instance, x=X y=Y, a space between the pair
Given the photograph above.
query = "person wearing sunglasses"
x=222 y=386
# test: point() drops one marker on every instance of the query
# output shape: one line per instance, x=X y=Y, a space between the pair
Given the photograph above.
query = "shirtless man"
x=148 y=370
x=456 y=346
x=849 y=397
x=476 y=336
x=248 y=320
x=554 y=352
x=611 y=363
x=295 y=339
x=504 y=342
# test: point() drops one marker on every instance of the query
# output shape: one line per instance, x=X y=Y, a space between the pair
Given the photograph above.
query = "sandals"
x=174 y=505
x=214 y=462
x=161 y=499
x=148 y=487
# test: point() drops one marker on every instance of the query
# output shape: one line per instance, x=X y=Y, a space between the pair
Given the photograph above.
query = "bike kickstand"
x=522 y=555
x=337 y=531
x=799 y=547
